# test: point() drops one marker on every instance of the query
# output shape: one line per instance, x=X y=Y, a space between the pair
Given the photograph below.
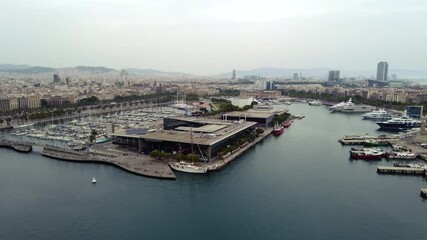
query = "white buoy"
x=93 y=180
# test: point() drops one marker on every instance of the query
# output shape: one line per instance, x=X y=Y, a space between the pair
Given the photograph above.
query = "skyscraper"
x=334 y=76
x=382 y=71
x=233 y=76
x=56 y=78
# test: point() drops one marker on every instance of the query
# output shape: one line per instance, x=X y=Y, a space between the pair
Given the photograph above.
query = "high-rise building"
x=233 y=76
x=334 y=76
x=56 y=78
x=296 y=77
x=382 y=71
x=271 y=85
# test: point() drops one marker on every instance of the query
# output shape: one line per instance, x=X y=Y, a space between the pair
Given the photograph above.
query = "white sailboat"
x=187 y=167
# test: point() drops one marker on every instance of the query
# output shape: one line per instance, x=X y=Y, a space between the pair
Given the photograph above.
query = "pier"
x=17 y=146
x=401 y=170
x=220 y=163
x=132 y=163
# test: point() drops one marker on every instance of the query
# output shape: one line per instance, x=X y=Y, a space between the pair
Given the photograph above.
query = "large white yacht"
x=339 y=106
x=377 y=114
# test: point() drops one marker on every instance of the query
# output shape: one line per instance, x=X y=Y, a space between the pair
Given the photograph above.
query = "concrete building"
x=233 y=76
x=334 y=76
x=4 y=105
x=56 y=78
x=262 y=119
x=204 y=137
x=260 y=94
x=382 y=71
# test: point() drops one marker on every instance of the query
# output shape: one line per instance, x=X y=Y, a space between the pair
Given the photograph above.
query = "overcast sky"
x=213 y=36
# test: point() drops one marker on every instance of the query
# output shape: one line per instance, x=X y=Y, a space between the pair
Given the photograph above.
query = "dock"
x=133 y=163
x=17 y=146
x=220 y=163
x=401 y=170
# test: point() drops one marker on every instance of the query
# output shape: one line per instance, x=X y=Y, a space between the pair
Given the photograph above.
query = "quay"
x=220 y=163
x=17 y=146
x=400 y=170
x=133 y=163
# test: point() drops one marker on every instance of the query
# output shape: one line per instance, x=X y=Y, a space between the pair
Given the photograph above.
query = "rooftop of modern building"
x=213 y=132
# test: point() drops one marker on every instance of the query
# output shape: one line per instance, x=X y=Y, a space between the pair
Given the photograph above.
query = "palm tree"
x=92 y=136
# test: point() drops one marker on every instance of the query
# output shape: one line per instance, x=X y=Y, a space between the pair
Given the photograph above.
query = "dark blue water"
x=300 y=185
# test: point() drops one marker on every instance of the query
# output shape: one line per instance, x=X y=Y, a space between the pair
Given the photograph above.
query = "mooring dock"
x=400 y=170
x=17 y=146
x=132 y=163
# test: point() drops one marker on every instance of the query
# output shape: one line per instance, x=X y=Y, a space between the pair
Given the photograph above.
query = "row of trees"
x=250 y=137
x=160 y=155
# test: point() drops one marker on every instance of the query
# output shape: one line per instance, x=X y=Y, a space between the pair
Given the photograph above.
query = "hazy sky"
x=212 y=36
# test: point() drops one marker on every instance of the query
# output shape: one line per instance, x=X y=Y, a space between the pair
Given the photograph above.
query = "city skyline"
x=206 y=38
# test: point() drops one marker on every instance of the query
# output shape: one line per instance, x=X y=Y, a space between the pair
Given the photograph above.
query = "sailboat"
x=188 y=167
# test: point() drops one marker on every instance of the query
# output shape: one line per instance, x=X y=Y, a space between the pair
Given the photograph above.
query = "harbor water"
x=300 y=185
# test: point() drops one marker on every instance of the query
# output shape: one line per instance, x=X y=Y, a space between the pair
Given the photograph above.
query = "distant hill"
x=152 y=72
x=97 y=69
x=25 y=69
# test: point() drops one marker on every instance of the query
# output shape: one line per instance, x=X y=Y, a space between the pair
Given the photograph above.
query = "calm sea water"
x=300 y=185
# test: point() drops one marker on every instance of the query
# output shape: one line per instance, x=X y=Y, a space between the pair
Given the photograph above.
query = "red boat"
x=277 y=130
x=286 y=124
x=366 y=153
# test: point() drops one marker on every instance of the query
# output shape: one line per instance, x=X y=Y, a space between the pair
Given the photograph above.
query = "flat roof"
x=251 y=114
x=210 y=128
x=185 y=137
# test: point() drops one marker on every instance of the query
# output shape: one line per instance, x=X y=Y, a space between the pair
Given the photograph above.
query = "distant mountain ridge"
x=11 y=68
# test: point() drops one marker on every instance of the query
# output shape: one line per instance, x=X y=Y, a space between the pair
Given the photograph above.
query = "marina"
x=268 y=178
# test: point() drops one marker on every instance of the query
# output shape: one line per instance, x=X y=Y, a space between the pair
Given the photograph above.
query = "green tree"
x=93 y=134
x=155 y=154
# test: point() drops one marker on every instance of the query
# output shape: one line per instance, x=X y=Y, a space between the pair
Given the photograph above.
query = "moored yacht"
x=315 y=103
x=341 y=105
x=377 y=114
x=366 y=153
x=187 y=167
x=400 y=123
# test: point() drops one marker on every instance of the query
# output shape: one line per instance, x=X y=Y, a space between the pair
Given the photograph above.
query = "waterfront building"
x=261 y=118
x=205 y=137
x=382 y=71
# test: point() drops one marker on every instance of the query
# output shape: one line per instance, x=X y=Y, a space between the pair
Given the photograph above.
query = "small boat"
x=187 y=167
x=93 y=180
x=375 y=143
x=277 y=130
x=401 y=155
x=315 y=103
x=286 y=124
x=366 y=153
